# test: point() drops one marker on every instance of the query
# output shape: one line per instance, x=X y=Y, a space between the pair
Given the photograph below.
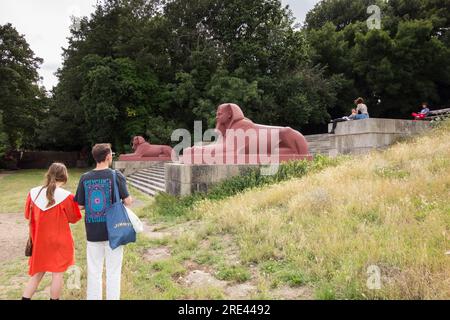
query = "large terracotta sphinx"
x=257 y=146
x=144 y=151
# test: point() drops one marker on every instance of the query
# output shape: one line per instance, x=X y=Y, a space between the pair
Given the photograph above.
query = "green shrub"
x=325 y=292
x=233 y=273
x=167 y=205
x=293 y=278
x=172 y=206
x=393 y=172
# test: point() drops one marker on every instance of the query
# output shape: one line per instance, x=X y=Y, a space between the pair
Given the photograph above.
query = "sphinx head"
x=226 y=115
x=137 y=141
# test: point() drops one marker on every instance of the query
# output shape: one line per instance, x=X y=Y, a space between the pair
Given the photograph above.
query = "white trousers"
x=97 y=253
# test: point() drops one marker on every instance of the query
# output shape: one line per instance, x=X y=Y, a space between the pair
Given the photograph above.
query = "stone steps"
x=317 y=137
x=149 y=175
x=319 y=144
x=149 y=181
x=147 y=191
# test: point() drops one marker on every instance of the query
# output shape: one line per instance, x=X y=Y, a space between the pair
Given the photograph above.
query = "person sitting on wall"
x=423 y=114
x=362 y=109
x=343 y=119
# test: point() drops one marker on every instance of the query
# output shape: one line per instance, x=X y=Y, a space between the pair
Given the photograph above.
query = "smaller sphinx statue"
x=144 y=151
x=241 y=141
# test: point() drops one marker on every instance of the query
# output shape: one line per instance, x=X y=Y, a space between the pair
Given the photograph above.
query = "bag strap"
x=116 y=187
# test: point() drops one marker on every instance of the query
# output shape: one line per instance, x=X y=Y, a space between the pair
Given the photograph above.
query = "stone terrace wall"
x=182 y=179
x=319 y=144
x=362 y=136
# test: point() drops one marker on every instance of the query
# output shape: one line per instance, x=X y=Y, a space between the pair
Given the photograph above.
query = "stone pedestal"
x=362 y=136
x=352 y=137
x=183 y=180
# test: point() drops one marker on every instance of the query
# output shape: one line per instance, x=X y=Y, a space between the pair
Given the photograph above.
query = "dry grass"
x=390 y=209
x=317 y=235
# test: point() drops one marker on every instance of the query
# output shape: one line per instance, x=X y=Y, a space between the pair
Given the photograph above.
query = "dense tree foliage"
x=341 y=13
x=148 y=67
x=3 y=137
x=397 y=67
x=22 y=101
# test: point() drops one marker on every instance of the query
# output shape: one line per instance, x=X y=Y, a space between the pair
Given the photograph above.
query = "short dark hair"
x=101 y=151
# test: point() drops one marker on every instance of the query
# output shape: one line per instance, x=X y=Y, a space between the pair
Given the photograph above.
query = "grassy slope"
x=389 y=209
x=320 y=232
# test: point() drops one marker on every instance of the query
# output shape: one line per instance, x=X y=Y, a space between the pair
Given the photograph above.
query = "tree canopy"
x=396 y=68
x=147 y=67
x=22 y=101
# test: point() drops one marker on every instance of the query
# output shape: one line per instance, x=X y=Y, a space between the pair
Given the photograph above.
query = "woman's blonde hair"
x=56 y=173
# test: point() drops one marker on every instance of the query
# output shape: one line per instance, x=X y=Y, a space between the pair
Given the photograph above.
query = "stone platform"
x=352 y=137
x=183 y=180
x=246 y=159
x=362 y=136
x=318 y=144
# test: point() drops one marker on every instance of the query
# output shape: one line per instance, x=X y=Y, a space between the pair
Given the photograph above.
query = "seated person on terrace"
x=362 y=109
x=343 y=119
x=423 y=114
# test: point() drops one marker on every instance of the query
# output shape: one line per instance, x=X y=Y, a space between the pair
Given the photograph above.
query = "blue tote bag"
x=120 y=228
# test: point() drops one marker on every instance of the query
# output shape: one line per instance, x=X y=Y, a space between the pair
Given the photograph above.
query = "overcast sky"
x=45 y=24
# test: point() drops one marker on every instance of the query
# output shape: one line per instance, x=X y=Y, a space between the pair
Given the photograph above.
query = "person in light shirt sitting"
x=343 y=119
x=362 y=109
x=423 y=114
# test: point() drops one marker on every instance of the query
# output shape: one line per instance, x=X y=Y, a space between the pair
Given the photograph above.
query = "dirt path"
x=13 y=236
x=14 y=233
x=203 y=276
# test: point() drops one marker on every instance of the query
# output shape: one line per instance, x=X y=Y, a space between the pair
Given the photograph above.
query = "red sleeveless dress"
x=53 y=246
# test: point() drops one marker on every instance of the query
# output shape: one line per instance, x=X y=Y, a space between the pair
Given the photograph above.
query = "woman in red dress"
x=51 y=210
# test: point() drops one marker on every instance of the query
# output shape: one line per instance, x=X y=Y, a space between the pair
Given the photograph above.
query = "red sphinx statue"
x=240 y=141
x=144 y=151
